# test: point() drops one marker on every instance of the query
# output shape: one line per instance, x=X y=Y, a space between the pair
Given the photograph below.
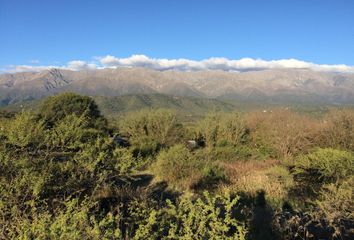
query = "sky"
x=180 y=34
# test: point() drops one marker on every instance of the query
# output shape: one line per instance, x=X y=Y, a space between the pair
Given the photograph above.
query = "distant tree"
x=338 y=129
x=154 y=126
x=58 y=107
x=222 y=129
x=286 y=134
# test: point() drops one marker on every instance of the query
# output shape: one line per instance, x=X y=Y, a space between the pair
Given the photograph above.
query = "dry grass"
x=251 y=177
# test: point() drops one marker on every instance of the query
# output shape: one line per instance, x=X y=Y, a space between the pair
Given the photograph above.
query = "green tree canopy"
x=57 y=107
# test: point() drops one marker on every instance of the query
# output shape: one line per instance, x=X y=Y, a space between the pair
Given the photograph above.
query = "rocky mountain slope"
x=276 y=85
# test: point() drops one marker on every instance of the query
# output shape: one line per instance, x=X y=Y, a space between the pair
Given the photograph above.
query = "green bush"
x=178 y=167
x=155 y=126
x=57 y=107
x=324 y=166
x=335 y=202
x=222 y=129
x=70 y=133
x=62 y=176
x=211 y=175
x=235 y=153
x=25 y=131
x=209 y=217
x=74 y=221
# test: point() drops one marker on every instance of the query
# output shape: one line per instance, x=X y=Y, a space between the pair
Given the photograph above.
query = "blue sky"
x=54 y=32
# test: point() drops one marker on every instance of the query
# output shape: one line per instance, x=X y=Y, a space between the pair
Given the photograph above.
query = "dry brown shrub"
x=286 y=132
x=337 y=129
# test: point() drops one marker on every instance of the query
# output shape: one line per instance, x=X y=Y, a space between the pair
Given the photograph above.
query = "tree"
x=222 y=129
x=57 y=107
x=156 y=126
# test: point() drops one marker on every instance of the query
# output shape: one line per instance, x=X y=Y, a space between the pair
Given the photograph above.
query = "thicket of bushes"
x=273 y=175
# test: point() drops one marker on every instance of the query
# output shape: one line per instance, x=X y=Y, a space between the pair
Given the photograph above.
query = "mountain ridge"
x=289 y=85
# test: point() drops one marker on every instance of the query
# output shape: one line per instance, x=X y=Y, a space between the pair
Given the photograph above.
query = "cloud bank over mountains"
x=181 y=64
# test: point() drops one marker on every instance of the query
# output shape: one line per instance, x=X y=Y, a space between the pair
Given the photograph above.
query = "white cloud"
x=224 y=64
x=75 y=65
x=181 y=64
x=80 y=65
x=25 y=68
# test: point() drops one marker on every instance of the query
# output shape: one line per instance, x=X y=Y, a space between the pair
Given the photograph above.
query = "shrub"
x=101 y=156
x=235 y=153
x=287 y=133
x=74 y=221
x=335 y=202
x=331 y=218
x=56 y=108
x=25 y=131
x=211 y=175
x=209 y=217
x=71 y=133
x=221 y=130
x=149 y=131
x=338 y=129
x=178 y=166
x=252 y=177
x=324 y=166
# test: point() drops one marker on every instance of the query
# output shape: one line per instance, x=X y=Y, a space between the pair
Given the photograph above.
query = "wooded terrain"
x=66 y=172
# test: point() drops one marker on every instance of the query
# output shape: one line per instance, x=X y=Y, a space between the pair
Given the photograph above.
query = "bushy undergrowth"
x=64 y=175
x=325 y=166
x=178 y=166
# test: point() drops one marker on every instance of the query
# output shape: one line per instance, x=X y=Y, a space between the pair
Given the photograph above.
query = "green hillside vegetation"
x=67 y=171
x=128 y=103
x=187 y=108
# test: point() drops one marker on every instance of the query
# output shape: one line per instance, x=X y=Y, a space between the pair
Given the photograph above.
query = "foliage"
x=63 y=176
x=178 y=166
x=287 y=133
x=211 y=175
x=7 y=114
x=24 y=131
x=70 y=132
x=331 y=218
x=234 y=153
x=325 y=166
x=73 y=221
x=226 y=129
x=158 y=126
x=338 y=129
x=335 y=202
x=209 y=217
x=56 y=108
x=187 y=107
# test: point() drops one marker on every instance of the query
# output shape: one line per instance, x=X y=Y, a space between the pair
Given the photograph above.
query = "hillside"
x=274 y=86
x=182 y=105
x=113 y=106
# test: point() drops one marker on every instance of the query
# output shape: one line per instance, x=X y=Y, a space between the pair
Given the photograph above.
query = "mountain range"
x=273 y=86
